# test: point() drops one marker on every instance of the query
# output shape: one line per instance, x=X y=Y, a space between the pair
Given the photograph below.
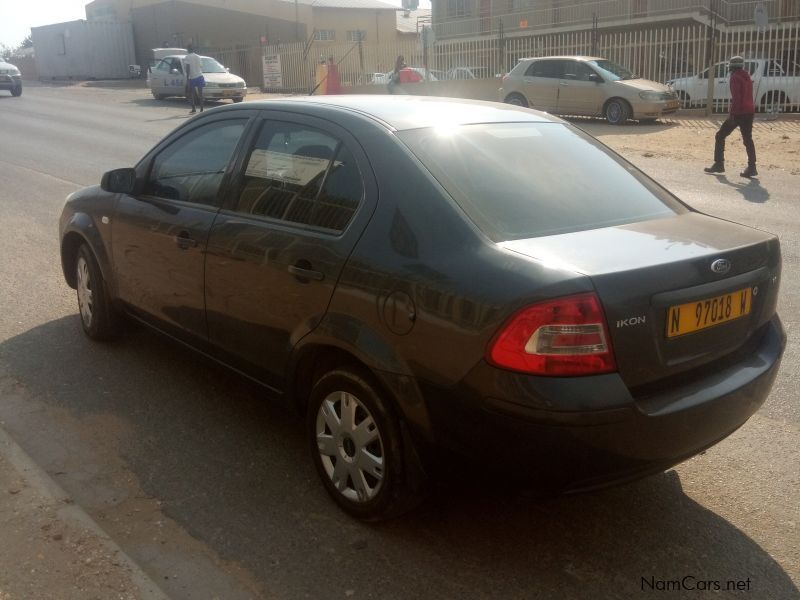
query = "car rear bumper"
x=579 y=433
x=10 y=82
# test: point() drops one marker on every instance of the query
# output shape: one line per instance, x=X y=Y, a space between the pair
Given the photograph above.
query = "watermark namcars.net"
x=691 y=583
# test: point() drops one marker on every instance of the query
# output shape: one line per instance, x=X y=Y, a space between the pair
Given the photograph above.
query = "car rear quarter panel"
x=424 y=291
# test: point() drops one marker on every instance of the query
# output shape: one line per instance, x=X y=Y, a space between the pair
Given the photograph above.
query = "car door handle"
x=185 y=242
x=303 y=274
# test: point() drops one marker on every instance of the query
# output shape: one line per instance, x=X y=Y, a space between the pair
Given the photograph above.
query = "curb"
x=72 y=514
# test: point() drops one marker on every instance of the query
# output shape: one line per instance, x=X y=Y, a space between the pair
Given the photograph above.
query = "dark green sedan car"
x=439 y=285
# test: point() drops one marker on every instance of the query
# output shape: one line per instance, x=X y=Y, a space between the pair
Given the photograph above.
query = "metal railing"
x=657 y=53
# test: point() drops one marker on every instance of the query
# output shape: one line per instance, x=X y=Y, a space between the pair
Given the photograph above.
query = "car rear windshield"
x=522 y=180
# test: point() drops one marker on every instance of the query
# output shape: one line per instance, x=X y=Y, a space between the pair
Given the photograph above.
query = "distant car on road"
x=168 y=78
x=10 y=78
x=437 y=284
x=416 y=74
x=586 y=86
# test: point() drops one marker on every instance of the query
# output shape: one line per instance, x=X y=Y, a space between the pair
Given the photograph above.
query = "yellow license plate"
x=694 y=316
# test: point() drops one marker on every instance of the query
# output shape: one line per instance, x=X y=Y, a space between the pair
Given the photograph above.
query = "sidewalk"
x=51 y=549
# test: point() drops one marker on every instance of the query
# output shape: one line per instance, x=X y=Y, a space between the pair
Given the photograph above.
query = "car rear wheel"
x=159 y=96
x=356 y=445
x=517 y=100
x=99 y=319
x=238 y=99
x=16 y=91
x=773 y=100
x=617 y=111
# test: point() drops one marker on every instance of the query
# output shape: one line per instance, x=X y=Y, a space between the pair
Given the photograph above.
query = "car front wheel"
x=16 y=91
x=356 y=445
x=99 y=318
x=617 y=112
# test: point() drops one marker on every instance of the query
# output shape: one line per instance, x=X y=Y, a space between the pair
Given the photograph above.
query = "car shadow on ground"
x=234 y=470
x=174 y=102
x=600 y=127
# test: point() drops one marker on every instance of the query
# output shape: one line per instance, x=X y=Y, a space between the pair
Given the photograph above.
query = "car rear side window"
x=545 y=68
x=522 y=180
x=301 y=175
x=191 y=168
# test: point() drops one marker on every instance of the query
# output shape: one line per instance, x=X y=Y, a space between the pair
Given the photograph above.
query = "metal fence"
x=656 y=53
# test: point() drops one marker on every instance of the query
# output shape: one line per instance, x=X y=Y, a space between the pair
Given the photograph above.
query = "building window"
x=325 y=35
x=456 y=8
x=356 y=35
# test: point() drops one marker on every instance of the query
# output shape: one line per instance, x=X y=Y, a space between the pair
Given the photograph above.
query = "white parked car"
x=168 y=78
x=773 y=84
x=469 y=73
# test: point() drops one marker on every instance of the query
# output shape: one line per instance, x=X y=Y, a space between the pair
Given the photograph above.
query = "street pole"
x=712 y=50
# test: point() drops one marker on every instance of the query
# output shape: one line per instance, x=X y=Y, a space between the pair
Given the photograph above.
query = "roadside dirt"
x=777 y=142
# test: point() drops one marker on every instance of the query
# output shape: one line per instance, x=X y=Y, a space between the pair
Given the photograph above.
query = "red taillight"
x=567 y=336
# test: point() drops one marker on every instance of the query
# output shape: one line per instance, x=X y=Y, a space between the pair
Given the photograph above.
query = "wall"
x=83 y=50
x=179 y=23
x=380 y=24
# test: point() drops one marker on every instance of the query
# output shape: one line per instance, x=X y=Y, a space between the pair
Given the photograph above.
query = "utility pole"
x=711 y=54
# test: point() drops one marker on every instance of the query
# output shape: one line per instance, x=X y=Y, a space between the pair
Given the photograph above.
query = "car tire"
x=237 y=100
x=357 y=447
x=686 y=99
x=617 y=111
x=516 y=100
x=99 y=319
x=16 y=91
x=159 y=96
x=772 y=100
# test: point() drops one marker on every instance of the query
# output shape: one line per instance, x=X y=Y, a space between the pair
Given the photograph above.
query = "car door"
x=577 y=93
x=160 y=232
x=177 y=78
x=159 y=78
x=540 y=84
x=303 y=194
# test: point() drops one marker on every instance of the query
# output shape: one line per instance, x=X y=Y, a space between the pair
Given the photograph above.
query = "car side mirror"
x=594 y=77
x=119 y=181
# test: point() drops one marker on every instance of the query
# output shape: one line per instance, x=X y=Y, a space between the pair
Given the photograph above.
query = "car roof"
x=571 y=57
x=408 y=112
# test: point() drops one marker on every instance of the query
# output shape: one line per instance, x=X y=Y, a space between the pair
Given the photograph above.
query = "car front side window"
x=191 y=169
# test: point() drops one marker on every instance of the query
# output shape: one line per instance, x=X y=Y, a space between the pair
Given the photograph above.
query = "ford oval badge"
x=721 y=266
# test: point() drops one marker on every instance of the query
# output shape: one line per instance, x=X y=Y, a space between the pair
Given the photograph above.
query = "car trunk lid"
x=643 y=271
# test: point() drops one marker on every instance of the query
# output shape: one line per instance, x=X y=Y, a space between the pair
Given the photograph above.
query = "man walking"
x=194 y=79
x=741 y=115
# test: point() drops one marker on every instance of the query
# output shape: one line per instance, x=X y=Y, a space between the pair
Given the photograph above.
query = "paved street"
x=210 y=489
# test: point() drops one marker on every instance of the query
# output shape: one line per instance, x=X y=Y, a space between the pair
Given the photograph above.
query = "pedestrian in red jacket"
x=741 y=116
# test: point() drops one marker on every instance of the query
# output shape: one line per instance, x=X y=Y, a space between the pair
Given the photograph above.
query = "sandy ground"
x=777 y=142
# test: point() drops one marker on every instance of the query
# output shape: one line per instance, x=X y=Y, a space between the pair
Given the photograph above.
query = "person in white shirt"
x=194 y=79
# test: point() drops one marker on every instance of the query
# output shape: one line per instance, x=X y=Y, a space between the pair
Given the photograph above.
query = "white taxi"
x=168 y=78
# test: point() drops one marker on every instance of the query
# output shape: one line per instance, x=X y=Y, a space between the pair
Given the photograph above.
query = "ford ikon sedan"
x=436 y=284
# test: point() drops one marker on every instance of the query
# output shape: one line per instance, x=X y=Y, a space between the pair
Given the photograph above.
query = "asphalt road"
x=210 y=488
